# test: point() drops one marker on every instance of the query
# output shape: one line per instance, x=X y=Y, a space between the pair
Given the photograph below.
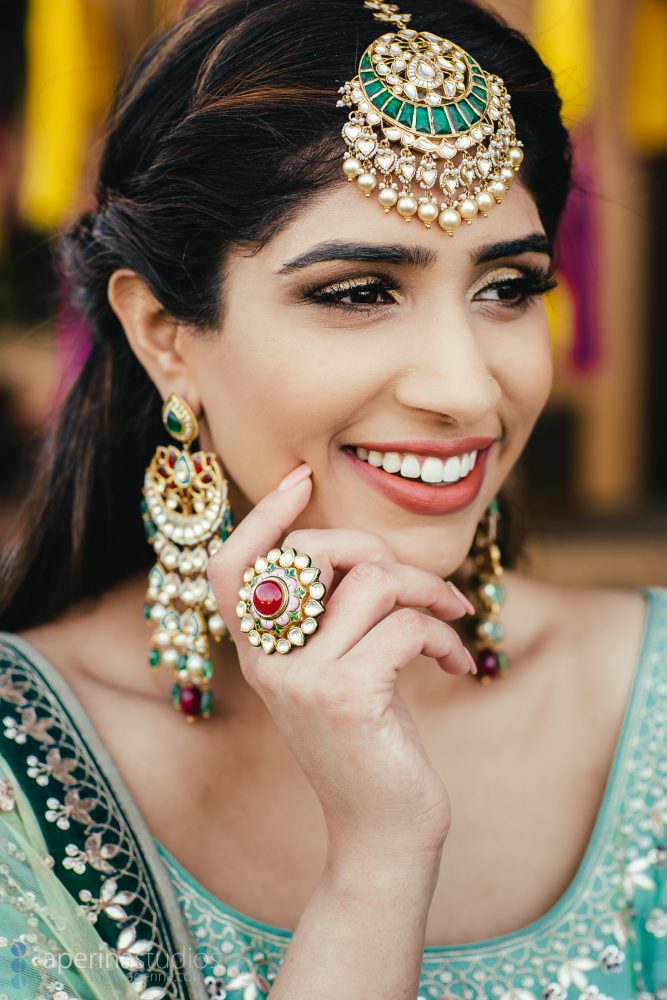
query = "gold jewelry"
x=488 y=596
x=187 y=517
x=281 y=599
x=424 y=110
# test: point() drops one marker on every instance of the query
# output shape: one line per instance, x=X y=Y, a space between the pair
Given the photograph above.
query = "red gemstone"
x=190 y=700
x=268 y=598
x=487 y=664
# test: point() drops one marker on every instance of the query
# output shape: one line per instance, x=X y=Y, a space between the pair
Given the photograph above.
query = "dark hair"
x=217 y=135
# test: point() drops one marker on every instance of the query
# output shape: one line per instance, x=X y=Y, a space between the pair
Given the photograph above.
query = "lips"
x=419 y=497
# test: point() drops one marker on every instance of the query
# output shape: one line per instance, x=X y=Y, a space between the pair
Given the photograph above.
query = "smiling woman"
x=360 y=387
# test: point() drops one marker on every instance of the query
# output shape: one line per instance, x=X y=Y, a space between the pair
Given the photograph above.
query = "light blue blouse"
x=606 y=937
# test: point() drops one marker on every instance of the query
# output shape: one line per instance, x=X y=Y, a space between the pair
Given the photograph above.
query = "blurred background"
x=594 y=476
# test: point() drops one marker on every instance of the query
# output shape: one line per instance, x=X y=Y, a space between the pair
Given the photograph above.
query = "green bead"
x=494 y=507
x=207 y=670
x=206 y=703
x=176 y=694
x=143 y=507
x=155 y=657
x=495 y=592
x=502 y=661
x=423 y=122
x=147 y=611
x=150 y=528
x=173 y=424
x=182 y=662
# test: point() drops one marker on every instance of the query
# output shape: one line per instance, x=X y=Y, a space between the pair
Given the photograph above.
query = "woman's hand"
x=335 y=700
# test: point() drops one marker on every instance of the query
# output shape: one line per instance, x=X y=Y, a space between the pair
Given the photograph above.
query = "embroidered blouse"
x=92 y=907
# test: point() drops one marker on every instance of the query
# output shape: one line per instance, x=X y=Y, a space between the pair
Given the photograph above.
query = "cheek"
x=523 y=366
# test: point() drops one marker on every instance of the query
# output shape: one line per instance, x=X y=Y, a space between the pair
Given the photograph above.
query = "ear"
x=156 y=338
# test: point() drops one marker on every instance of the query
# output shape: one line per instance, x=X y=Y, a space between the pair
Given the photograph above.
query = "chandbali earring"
x=488 y=595
x=187 y=517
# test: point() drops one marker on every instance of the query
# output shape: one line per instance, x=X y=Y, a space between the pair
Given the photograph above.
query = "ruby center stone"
x=269 y=597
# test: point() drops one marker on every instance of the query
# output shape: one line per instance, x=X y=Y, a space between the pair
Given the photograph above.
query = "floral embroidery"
x=125 y=903
x=7 y=795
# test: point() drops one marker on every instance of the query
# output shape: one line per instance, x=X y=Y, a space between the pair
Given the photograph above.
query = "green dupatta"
x=87 y=910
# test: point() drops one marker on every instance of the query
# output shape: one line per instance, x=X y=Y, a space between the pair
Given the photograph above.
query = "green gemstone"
x=290 y=572
x=206 y=703
x=468 y=112
x=480 y=93
x=176 y=694
x=366 y=62
x=150 y=528
x=182 y=662
x=494 y=507
x=503 y=663
x=493 y=631
x=458 y=121
x=367 y=77
x=441 y=122
x=380 y=98
x=271 y=566
x=407 y=115
x=392 y=109
x=423 y=122
x=294 y=615
x=155 y=657
x=207 y=670
x=143 y=507
x=300 y=592
x=147 y=611
x=495 y=592
x=373 y=88
x=174 y=425
x=476 y=103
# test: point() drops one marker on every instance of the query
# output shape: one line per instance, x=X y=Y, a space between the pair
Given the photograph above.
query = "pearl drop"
x=498 y=189
x=216 y=625
x=468 y=209
x=366 y=182
x=516 y=155
x=507 y=175
x=428 y=212
x=449 y=219
x=195 y=662
x=406 y=206
x=352 y=168
x=485 y=202
x=387 y=198
x=170 y=657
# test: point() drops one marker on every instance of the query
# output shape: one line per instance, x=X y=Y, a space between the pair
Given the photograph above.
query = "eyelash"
x=532 y=283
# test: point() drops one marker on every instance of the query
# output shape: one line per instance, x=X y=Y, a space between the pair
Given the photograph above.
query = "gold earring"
x=187 y=517
x=488 y=596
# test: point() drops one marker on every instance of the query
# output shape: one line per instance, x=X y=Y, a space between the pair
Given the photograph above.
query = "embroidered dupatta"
x=87 y=910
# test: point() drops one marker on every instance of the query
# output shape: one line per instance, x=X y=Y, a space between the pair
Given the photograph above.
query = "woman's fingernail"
x=295 y=476
x=473 y=665
x=467 y=604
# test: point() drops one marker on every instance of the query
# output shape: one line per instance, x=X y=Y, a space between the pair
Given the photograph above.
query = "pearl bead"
x=170 y=657
x=216 y=624
x=449 y=220
x=507 y=175
x=484 y=202
x=352 y=168
x=468 y=209
x=427 y=212
x=162 y=639
x=516 y=155
x=195 y=662
x=498 y=189
x=407 y=206
x=387 y=198
x=366 y=182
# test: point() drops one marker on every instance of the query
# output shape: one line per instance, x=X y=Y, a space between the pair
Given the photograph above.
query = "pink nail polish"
x=473 y=665
x=295 y=476
x=467 y=604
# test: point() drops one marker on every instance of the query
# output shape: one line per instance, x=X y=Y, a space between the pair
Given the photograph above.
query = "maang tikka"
x=429 y=131
x=187 y=517
x=487 y=593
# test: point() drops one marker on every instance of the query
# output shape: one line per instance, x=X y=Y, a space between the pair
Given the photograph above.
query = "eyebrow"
x=413 y=256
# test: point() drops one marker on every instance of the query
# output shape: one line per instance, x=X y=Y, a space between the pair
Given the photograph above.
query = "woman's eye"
x=517 y=292
x=355 y=295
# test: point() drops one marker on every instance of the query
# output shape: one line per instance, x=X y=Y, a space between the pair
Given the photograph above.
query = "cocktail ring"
x=281 y=599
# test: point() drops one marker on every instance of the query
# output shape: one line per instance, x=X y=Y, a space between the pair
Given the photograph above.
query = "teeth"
x=430 y=470
x=410 y=467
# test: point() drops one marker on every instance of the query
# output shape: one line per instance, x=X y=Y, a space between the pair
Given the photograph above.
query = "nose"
x=445 y=372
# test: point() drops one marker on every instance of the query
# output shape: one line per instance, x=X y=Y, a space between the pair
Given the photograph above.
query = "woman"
x=393 y=826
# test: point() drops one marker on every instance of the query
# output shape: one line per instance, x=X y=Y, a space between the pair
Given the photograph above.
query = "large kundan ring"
x=281 y=599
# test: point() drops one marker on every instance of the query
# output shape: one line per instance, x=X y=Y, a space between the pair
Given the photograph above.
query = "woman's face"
x=352 y=329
